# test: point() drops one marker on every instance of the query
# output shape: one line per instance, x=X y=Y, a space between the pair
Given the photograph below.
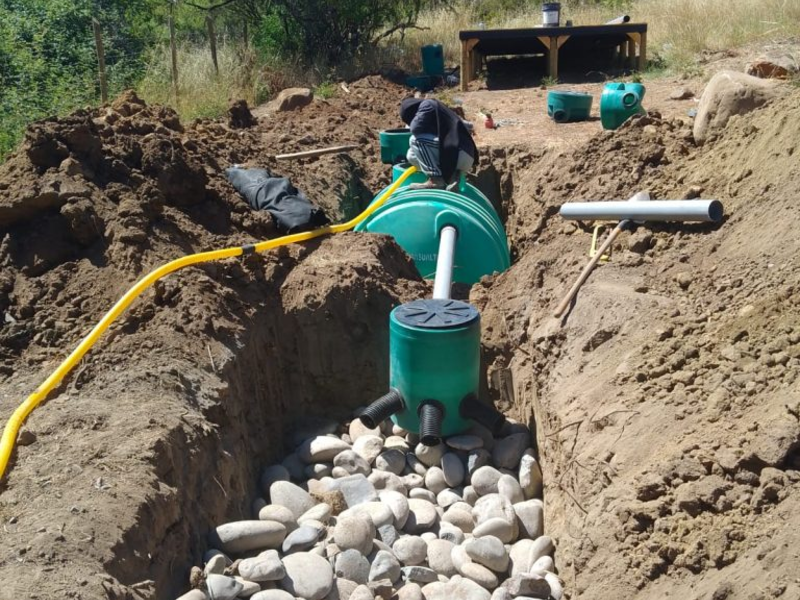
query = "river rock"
x=398 y=504
x=320 y=470
x=384 y=480
x=470 y=496
x=488 y=551
x=530 y=475
x=242 y=536
x=542 y=565
x=422 y=494
x=460 y=518
x=362 y=592
x=342 y=589
x=410 y=550
x=477 y=459
x=322 y=448
x=530 y=516
x=420 y=575
x=294 y=465
x=484 y=480
x=352 y=565
x=384 y=566
x=388 y=535
x=308 y=576
x=435 y=481
x=542 y=546
x=356 y=532
x=392 y=460
x=194 y=595
x=272 y=595
x=498 y=527
x=508 y=450
x=410 y=591
x=396 y=442
x=451 y=533
x=266 y=566
x=415 y=464
x=382 y=588
x=461 y=588
x=430 y=456
x=501 y=593
x=529 y=585
x=556 y=586
x=479 y=574
x=520 y=557
x=357 y=430
x=295 y=498
x=352 y=462
x=216 y=564
x=368 y=447
x=446 y=498
x=422 y=516
x=453 y=469
x=281 y=514
x=509 y=488
x=439 y=558
x=493 y=506
x=222 y=587
x=356 y=489
x=413 y=481
x=272 y=474
x=466 y=443
x=435 y=591
x=297 y=541
x=321 y=512
x=377 y=512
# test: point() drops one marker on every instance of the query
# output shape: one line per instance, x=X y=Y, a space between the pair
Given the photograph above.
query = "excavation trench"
x=314 y=348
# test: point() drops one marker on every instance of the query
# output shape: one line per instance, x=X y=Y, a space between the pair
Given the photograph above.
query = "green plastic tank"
x=619 y=102
x=433 y=60
x=394 y=145
x=434 y=348
x=415 y=217
x=565 y=107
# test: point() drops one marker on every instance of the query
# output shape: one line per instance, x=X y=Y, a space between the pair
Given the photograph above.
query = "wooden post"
x=101 y=59
x=643 y=51
x=212 y=38
x=174 y=50
x=631 y=62
x=467 y=62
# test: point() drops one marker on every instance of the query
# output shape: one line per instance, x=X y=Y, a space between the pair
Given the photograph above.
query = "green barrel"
x=415 y=217
x=619 y=102
x=565 y=107
x=394 y=145
x=433 y=60
x=434 y=353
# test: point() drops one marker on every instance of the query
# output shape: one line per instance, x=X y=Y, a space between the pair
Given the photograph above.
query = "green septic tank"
x=414 y=219
x=434 y=349
x=565 y=107
x=433 y=60
x=619 y=102
x=394 y=145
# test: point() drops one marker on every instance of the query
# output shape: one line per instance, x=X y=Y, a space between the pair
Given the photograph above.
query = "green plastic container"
x=619 y=102
x=394 y=145
x=434 y=349
x=415 y=217
x=433 y=60
x=566 y=107
x=423 y=83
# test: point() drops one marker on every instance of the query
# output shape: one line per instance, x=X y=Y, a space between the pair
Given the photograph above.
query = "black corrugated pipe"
x=485 y=414
x=431 y=415
x=383 y=408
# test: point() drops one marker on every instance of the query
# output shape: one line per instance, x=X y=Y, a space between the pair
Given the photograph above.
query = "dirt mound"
x=666 y=401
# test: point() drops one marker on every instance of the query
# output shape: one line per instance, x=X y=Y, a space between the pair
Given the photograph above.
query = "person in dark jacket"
x=441 y=145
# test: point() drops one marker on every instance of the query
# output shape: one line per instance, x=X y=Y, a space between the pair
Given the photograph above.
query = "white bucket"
x=551 y=14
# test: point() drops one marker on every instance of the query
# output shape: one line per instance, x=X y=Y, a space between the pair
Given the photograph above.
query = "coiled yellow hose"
x=23 y=410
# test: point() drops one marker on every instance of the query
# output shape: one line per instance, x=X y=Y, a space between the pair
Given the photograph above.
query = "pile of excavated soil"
x=664 y=404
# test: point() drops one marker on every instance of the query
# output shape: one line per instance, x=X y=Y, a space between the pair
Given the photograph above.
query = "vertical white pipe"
x=444 y=263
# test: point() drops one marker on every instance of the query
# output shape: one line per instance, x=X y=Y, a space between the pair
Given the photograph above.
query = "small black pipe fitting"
x=383 y=408
x=485 y=414
x=431 y=415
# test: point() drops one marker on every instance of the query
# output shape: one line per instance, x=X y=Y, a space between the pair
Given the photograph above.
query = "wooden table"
x=629 y=38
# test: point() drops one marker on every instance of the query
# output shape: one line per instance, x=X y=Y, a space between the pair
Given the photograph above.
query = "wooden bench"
x=629 y=38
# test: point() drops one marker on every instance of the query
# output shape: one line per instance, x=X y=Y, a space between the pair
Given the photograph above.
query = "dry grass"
x=677 y=29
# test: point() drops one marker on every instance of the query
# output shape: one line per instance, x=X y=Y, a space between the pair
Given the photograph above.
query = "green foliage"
x=325 y=90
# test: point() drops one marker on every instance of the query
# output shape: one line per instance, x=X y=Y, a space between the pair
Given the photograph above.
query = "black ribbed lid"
x=436 y=314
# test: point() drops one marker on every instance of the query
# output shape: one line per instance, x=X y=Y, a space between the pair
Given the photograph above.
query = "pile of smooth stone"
x=374 y=515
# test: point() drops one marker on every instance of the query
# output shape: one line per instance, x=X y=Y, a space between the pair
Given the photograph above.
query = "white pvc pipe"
x=653 y=210
x=443 y=281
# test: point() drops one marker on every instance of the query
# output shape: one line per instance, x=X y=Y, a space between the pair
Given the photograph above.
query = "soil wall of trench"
x=664 y=404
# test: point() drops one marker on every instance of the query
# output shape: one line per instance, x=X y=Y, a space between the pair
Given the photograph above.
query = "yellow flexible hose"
x=23 y=410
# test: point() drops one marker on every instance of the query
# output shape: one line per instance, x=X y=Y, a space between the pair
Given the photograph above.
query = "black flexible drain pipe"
x=485 y=414
x=431 y=415
x=383 y=408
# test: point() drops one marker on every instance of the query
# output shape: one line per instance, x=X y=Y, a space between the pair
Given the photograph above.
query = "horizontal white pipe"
x=619 y=20
x=652 y=210
x=443 y=281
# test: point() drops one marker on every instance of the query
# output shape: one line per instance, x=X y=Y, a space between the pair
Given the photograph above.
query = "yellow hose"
x=23 y=410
